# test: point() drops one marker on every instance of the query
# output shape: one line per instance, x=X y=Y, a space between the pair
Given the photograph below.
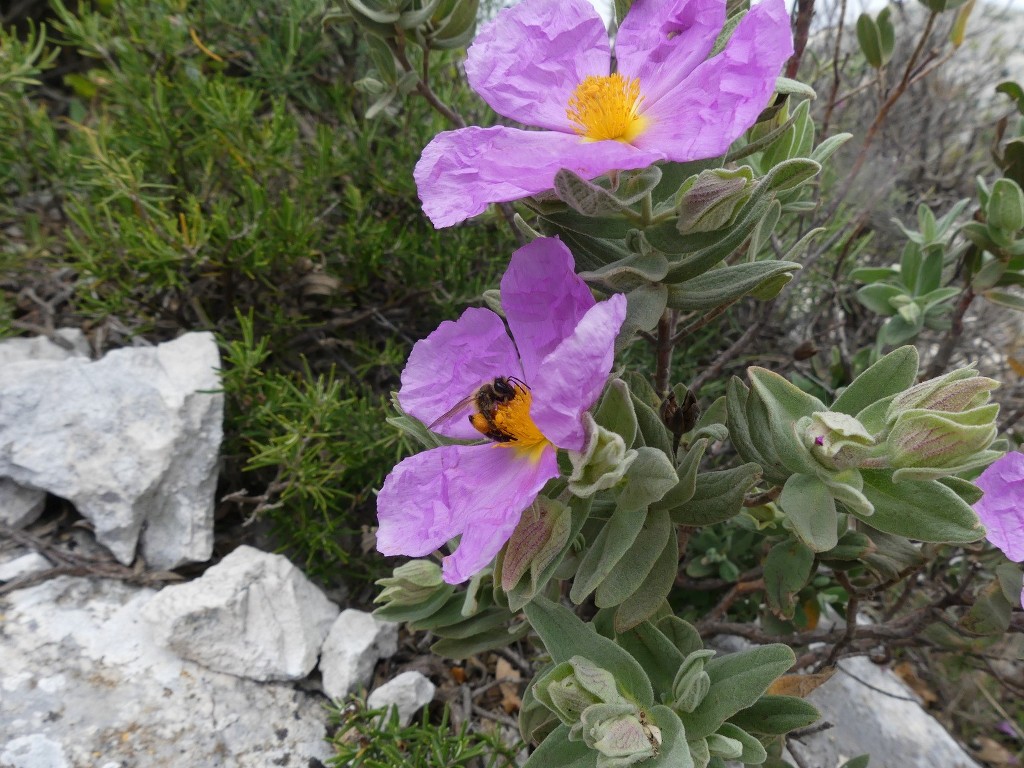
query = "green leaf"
x=653 y=431
x=687 y=474
x=783 y=405
x=658 y=655
x=683 y=635
x=463 y=648
x=861 y=761
x=1005 y=209
x=892 y=374
x=990 y=614
x=648 y=479
x=853 y=545
x=674 y=752
x=1009 y=578
x=556 y=749
x=632 y=569
x=878 y=297
x=893 y=556
x=790 y=174
x=726 y=285
x=624 y=275
x=718 y=496
x=736 y=395
x=737 y=681
x=616 y=412
x=775 y=715
x=652 y=593
x=874 y=274
x=608 y=547
x=565 y=636
x=870 y=39
x=811 y=509
x=753 y=751
x=786 y=570
x=828 y=147
x=921 y=510
x=1005 y=299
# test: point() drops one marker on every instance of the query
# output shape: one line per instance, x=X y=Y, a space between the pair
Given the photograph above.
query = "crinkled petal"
x=461 y=172
x=572 y=376
x=476 y=491
x=543 y=298
x=527 y=62
x=1001 y=509
x=722 y=97
x=451 y=363
x=661 y=41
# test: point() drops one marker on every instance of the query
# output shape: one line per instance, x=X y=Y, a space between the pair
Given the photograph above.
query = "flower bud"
x=692 y=683
x=602 y=463
x=836 y=440
x=959 y=390
x=951 y=441
x=724 y=747
x=709 y=200
x=411 y=583
x=540 y=535
x=575 y=685
x=620 y=733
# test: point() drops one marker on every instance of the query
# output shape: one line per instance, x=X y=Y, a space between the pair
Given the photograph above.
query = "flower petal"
x=722 y=97
x=478 y=491
x=1001 y=509
x=461 y=172
x=501 y=482
x=661 y=41
x=572 y=376
x=527 y=62
x=451 y=363
x=544 y=299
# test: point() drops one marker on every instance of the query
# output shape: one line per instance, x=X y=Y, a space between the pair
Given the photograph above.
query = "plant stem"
x=663 y=352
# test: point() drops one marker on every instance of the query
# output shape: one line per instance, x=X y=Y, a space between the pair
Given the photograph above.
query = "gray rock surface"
x=20 y=506
x=84 y=685
x=354 y=645
x=21 y=564
x=893 y=729
x=253 y=614
x=132 y=440
x=410 y=692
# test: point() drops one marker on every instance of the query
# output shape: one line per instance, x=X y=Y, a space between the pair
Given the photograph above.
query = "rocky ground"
x=106 y=663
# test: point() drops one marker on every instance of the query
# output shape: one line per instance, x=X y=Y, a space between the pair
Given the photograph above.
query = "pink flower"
x=557 y=366
x=1001 y=509
x=547 y=62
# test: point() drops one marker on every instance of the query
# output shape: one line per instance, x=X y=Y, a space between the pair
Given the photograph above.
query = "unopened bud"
x=709 y=200
x=692 y=683
x=959 y=390
x=836 y=440
x=620 y=733
x=411 y=583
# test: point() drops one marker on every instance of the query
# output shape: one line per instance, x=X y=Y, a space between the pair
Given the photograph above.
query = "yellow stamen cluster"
x=606 y=107
x=513 y=419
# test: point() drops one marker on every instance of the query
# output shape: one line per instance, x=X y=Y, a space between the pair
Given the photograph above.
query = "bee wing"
x=464 y=404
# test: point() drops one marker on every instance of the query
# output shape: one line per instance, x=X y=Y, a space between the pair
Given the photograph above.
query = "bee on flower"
x=526 y=395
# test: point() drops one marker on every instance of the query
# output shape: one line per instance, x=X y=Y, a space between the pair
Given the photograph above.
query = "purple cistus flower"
x=1001 y=509
x=547 y=63
x=528 y=396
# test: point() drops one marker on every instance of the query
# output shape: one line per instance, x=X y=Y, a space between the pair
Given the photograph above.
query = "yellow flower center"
x=606 y=107
x=508 y=423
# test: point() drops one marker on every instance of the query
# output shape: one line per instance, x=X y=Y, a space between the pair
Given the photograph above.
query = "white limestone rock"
x=355 y=643
x=253 y=614
x=20 y=506
x=132 y=440
x=82 y=679
x=410 y=692
x=19 y=349
x=23 y=565
x=32 y=751
x=893 y=729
